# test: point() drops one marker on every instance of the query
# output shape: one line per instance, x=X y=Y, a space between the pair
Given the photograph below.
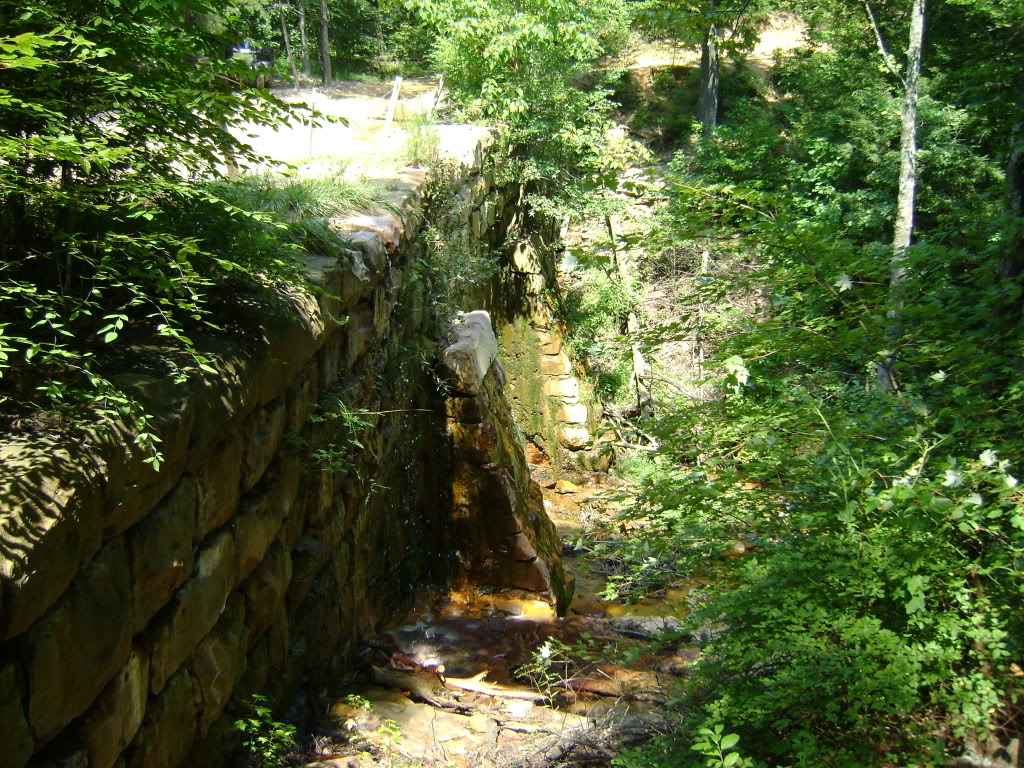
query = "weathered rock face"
x=501 y=531
x=139 y=606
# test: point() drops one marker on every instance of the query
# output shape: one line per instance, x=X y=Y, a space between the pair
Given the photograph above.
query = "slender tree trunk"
x=303 y=40
x=644 y=399
x=325 y=42
x=707 y=100
x=68 y=225
x=903 y=232
x=288 y=49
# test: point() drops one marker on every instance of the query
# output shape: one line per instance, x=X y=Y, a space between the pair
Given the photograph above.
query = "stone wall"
x=553 y=402
x=502 y=533
x=304 y=492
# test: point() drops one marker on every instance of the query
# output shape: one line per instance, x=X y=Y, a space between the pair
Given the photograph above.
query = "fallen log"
x=424 y=686
x=612 y=688
x=430 y=686
x=477 y=684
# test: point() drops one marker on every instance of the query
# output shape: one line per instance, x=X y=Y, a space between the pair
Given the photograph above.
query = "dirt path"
x=361 y=143
x=784 y=32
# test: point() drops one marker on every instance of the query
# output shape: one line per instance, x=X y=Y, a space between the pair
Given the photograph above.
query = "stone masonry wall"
x=300 y=499
x=502 y=533
x=555 y=409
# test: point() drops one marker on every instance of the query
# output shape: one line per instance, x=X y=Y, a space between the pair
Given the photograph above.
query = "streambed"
x=496 y=679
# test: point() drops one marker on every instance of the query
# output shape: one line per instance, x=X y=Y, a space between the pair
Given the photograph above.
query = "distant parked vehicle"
x=260 y=61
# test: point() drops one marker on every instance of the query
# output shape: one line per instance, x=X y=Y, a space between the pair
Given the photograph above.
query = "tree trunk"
x=644 y=399
x=325 y=42
x=288 y=49
x=707 y=100
x=903 y=232
x=303 y=40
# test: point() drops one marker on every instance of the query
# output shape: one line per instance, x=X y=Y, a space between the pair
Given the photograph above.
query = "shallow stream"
x=497 y=679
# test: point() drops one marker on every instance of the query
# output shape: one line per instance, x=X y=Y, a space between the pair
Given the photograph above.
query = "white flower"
x=954 y=477
x=843 y=283
x=988 y=458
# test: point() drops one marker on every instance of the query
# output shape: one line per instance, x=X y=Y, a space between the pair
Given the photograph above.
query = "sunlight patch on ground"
x=785 y=32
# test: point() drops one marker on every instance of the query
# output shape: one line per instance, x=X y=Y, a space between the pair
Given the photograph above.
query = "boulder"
x=372 y=247
x=194 y=609
x=219 y=662
x=574 y=438
x=292 y=328
x=50 y=525
x=549 y=342
x=109 y=726
x=258 y=523
x=261 y=436
x=264 y=591
x=357 y=278
x=648 y=626
x=169 y=729
x=361 y=330
x=219 y=484
x=525 y=259
x=222 y=399
x=301 y=396
x=573 y=413
x=555 y=365
x=134 y=484
x=566 y=387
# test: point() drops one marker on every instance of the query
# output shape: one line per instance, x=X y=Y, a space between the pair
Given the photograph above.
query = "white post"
x=437 y=97
x=393 y=105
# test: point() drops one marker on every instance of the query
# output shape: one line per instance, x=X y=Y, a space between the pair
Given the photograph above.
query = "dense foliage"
x=116 y=116
x=876 y=620
x=521 y=65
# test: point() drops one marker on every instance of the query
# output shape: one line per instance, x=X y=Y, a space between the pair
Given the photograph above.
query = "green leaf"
x=916 y=603
x=730 y=741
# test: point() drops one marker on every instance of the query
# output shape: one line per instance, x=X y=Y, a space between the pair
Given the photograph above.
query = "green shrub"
x=267 y=741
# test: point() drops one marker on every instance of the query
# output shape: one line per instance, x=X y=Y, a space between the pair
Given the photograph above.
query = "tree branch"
x=886 y=56
x=708 y=195
x=675 y=383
